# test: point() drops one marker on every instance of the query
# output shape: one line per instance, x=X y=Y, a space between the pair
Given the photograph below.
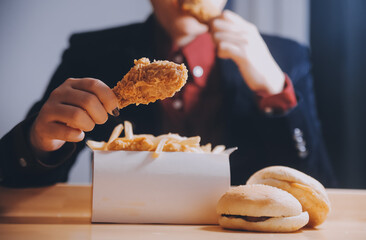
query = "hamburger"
x=310 y=193
x=260 y=208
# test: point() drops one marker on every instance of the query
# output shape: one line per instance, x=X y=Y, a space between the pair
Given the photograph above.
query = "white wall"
x=33 y=34
x=286 y=18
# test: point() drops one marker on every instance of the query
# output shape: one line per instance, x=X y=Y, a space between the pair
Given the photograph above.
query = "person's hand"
x=71 y=109
x=240 y=41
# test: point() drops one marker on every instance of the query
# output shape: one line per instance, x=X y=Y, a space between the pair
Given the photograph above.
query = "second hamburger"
x=310 y=193
x=260 y=208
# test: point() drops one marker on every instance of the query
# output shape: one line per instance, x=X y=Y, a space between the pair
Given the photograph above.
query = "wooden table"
x=63 y=212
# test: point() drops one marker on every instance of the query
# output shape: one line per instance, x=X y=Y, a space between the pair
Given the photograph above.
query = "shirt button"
x=22 y=162
x=178 y=59
x=303 y=154
x=268 y=110
x=297 y=132
x=301 y=148
x=197 y=71
x=177 y=104
x=298 y=139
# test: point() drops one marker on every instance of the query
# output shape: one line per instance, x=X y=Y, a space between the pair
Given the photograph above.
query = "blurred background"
x=34 y=33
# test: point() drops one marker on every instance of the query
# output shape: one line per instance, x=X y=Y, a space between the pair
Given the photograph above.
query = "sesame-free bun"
x=260 y=208
x=310 y=193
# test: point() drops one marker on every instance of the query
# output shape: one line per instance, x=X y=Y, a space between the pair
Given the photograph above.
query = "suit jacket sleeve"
x=295 y=138
x=19 y=167
x=292 y=139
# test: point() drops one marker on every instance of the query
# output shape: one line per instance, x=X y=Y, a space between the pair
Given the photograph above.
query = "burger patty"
x=246 y=218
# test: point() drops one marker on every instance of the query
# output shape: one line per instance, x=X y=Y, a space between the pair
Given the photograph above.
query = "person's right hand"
x=71 y=109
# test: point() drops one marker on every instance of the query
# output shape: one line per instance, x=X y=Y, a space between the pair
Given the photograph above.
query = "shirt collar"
x=199 y=54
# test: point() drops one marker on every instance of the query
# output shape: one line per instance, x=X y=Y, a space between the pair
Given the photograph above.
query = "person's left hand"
x=240 y=41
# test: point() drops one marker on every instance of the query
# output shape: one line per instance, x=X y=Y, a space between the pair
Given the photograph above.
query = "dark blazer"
x=262 y=140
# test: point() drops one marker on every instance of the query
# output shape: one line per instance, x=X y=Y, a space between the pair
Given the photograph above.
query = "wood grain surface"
x=63 y=212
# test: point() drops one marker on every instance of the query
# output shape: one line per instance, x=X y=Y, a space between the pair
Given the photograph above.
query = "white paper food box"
x=175 y=188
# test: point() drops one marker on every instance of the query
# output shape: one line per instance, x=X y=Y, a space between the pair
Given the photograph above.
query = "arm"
x=240 y=41
x=41 y=149
x=292 y=137
x=265 y=140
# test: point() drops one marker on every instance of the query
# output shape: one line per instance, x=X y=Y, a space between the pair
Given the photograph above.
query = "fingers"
x=228 y=37
x=60 y=131
x=234 y=18
x=235 y=37
x=80 y=103
x=228 y=50
x=99 y=89
x=71 y=116
x=87 y=101
x=72 y=109
x=241 y=41
x=231 y=22
x=49 y=136
x=220 y=24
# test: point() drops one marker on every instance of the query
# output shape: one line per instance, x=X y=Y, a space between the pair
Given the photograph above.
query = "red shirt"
x=199 y=100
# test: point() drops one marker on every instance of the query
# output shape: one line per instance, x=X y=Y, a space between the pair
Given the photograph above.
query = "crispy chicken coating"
x=147 y=82
x=136 y=144
x=178 y=147
x=202 y=10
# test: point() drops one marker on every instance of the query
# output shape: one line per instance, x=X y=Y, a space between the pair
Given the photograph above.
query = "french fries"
x=128 y=130
x=160 y=147
x=115 y=134
x=146 y=142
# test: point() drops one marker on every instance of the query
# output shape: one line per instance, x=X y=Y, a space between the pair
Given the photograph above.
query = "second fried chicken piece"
x=202 y=10
x=147 y=82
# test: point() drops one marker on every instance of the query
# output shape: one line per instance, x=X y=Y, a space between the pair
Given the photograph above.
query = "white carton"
x=175 y=188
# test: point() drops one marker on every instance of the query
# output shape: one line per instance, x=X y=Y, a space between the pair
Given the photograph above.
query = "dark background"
x=337 y=41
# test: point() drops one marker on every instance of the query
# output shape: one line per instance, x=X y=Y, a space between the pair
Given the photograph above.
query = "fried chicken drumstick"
x=202 y=10
x=147 y=82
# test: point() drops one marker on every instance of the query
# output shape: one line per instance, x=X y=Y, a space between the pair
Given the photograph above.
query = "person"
x=245 y=89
